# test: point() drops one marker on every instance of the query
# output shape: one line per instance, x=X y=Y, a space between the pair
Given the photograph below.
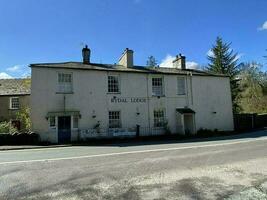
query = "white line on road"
x=134 y=152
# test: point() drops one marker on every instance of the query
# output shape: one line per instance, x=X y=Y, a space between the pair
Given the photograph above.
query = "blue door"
x=64 y=129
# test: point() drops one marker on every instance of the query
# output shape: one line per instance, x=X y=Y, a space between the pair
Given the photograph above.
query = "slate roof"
x=120 y=68
x=15 y=87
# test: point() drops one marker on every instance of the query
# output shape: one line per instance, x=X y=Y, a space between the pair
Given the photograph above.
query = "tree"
x=253 y=84
x=24 y=116
x=151 y=61
x=223 y=60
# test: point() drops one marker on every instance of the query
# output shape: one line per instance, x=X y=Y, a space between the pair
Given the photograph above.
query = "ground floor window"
x=159 y=118
x=114 y=119
x=52 y=121
x=75 y=121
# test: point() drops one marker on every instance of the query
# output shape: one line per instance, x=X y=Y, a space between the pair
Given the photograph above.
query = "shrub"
x=7 y=128
x=19 y=139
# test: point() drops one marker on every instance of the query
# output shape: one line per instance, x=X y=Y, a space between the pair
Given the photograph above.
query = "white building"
x=77 y=100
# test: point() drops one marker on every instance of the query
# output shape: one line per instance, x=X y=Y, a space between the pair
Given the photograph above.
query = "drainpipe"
x=191 y=88
x=187 y=91
x=148 y=106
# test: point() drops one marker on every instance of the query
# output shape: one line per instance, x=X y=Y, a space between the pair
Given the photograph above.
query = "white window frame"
x=179 y=91
x=111 y=88
x=75 y=125
x=65 y=84
x=157 y=89
x=114 y=119
x=159 y=120
x=11 y=103
x=54 y=124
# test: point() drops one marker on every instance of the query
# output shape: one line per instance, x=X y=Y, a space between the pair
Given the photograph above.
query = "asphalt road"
x=218 y=169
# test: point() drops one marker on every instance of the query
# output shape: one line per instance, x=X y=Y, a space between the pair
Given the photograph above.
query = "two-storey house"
x=70 y=100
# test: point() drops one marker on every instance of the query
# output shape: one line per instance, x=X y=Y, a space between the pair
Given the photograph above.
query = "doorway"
x=64 y=129
x=189 y=124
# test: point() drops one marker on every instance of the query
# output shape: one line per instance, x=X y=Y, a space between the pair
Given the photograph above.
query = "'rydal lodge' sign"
x=128 y=100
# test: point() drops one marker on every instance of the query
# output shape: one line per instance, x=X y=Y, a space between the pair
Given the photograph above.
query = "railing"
x=85 y=134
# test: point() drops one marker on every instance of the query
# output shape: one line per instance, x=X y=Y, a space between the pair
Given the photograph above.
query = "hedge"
x=19 y=139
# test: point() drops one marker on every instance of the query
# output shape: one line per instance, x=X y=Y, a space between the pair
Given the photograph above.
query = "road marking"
x=134 y=152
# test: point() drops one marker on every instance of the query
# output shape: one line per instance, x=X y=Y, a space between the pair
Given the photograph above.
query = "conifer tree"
x=223 y=60
x=151 y=61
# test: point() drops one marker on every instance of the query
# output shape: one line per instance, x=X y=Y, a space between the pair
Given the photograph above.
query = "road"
x=223 y=168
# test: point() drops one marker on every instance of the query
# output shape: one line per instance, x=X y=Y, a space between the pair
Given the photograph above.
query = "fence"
x=244 y=122
x=120 y=132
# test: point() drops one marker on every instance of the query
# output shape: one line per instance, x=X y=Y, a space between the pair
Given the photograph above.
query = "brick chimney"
x=179 y=62
x=86 y=52
x=126 y=58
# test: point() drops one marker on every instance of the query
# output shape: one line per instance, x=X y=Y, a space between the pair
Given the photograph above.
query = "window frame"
x=54 y=124
x=64 y=84
x=111 y=90
x=159 y=120
x=75 y=122
x=11 y=103
x=118 y=120
x=178 y=91
x=158 y=86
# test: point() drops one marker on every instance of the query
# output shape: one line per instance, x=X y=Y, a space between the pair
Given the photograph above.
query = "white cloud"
x=4 y=75
x=15 y=68
x=167 y=62
x=263 y=26
x=210 y=53
x=192 y=65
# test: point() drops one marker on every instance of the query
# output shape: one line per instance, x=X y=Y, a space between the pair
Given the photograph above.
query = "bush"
x=19 y=139
x=207 y=132
x=7 y=128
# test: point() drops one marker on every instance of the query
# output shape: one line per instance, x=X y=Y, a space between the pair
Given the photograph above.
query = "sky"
x=36 y=31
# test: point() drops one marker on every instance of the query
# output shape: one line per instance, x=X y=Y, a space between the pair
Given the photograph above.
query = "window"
x=181 y=85
x=52 y=121
x=114 y=119
x=64 y=83
x=113 y=84
x=159 y=118
x=157 y=86
x=14 y=103
x=75 y=121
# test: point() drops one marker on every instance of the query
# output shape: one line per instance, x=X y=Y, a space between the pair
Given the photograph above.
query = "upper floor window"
x=64 y=82
x=113 y=84
x=181 y=85
x=14 y=103
x=157 y=86
x=114 y=118
x=159 y=118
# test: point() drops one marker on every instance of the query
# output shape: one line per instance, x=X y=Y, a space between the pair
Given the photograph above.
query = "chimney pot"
x=126 y=59
x=86 y=53
x=179 y=61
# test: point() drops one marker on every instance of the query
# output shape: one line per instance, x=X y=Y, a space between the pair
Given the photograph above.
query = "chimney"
x=179 y=62
x=86 y=52
x=126 y=58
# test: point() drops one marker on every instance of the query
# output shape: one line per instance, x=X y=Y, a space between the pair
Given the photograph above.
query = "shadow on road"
x=169 y=139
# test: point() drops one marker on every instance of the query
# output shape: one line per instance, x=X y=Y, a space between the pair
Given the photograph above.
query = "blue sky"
x=34 y=31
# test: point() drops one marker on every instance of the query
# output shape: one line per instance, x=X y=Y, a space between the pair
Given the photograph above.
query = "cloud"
x=19 y=71
x=210 y=53
x=192 y=65
x=15 y=68
x=167 y=62
x=263 y=26
x=4 y=75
